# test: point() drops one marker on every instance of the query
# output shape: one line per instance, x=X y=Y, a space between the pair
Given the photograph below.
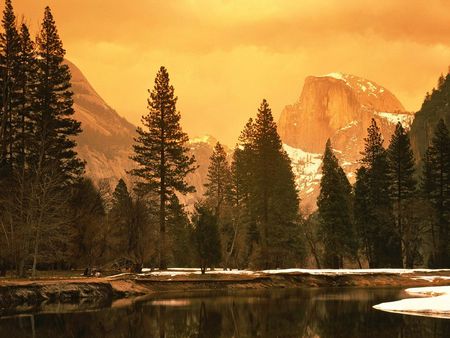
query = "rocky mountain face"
x=107 y=138
x=340 y=107
x=435 y=107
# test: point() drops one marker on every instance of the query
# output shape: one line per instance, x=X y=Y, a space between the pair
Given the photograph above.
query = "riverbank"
x=19 y=295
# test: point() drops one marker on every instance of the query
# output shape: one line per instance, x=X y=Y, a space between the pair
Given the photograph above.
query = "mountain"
x=106 y=141
x=435 y=107
x=107 y=138
x=202 y=148
x=340 y=107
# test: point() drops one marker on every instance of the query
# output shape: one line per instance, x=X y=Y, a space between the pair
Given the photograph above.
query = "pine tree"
x=218 y=180
x=54 y=126
x=53 y=162
x=365 y=228
x=161 y=152
x=120 y=217
x=244 y=229
x=26 y=87
x=402 y=185
x=335 y=211
x=384 y=243
x=207 y=239
x=436 y=187
x=9 y=50
x=268 y=192
x=219 y=198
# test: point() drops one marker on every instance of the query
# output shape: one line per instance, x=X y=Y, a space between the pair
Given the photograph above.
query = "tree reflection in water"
x=268 y=313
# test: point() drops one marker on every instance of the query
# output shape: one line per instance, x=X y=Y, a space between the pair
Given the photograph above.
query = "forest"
x=54 y=217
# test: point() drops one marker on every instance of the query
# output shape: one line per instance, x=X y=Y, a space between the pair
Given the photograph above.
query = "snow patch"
x=334 y=272
x=436 y=303
x=357 y=83
x=348 y=126
x=431 y=278
x=306 y=167
x=173 y=272
x=202 y=139
x=404 y=118
x=335 y=75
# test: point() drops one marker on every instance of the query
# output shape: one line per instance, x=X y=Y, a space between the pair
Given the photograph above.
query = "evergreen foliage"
x=402 y=187
x=161 y=153
x=180 y=233
x=263 y=175
x=436 y=187
x=218 y=185
x=218 y=197
x=54 y=127
x=9 y=59
x=335 y=212
x=383 y=248
x=207 y=238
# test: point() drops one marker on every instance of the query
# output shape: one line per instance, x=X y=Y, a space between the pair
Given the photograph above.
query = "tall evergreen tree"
x=53 y=162
x=9 y=51
x=120 y=217
x=384 y=242
x=402 y=185
x=218 y=180
x=26 y=87
x=436 y=186
x=269 y=193
x=244 y=228
x=161 y=152
x=207 y=239
x=54 y=127
x=335 y=211
x=219 y=199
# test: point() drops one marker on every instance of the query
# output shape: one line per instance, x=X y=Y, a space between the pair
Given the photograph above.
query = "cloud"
x=224 y=56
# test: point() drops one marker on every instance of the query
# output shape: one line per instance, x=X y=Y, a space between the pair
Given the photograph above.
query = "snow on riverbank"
x=434 y=302
x=354 y=271
x=321 y=272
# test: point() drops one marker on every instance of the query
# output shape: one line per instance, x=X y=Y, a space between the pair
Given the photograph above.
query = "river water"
x=317 y=312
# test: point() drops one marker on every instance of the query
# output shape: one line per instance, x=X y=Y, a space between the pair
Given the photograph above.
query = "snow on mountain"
x=405 y=119
x=338 y=107
x=306 y=167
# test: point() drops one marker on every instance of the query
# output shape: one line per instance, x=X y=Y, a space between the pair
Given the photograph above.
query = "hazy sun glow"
x=224 y=56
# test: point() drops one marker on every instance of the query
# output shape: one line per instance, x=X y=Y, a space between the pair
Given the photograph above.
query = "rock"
x=340 y=107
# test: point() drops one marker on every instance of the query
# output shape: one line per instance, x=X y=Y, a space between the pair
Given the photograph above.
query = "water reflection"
x=294 y=313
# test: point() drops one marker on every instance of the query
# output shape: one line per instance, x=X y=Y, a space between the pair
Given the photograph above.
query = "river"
x=314 y=312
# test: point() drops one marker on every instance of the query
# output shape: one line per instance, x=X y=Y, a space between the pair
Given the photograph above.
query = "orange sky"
x=224 y=56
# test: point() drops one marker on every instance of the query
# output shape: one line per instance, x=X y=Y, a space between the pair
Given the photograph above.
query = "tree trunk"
x=35 y=253
x=162 y=232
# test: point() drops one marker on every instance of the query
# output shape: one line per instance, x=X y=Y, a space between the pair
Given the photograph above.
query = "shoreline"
x=27 y=296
